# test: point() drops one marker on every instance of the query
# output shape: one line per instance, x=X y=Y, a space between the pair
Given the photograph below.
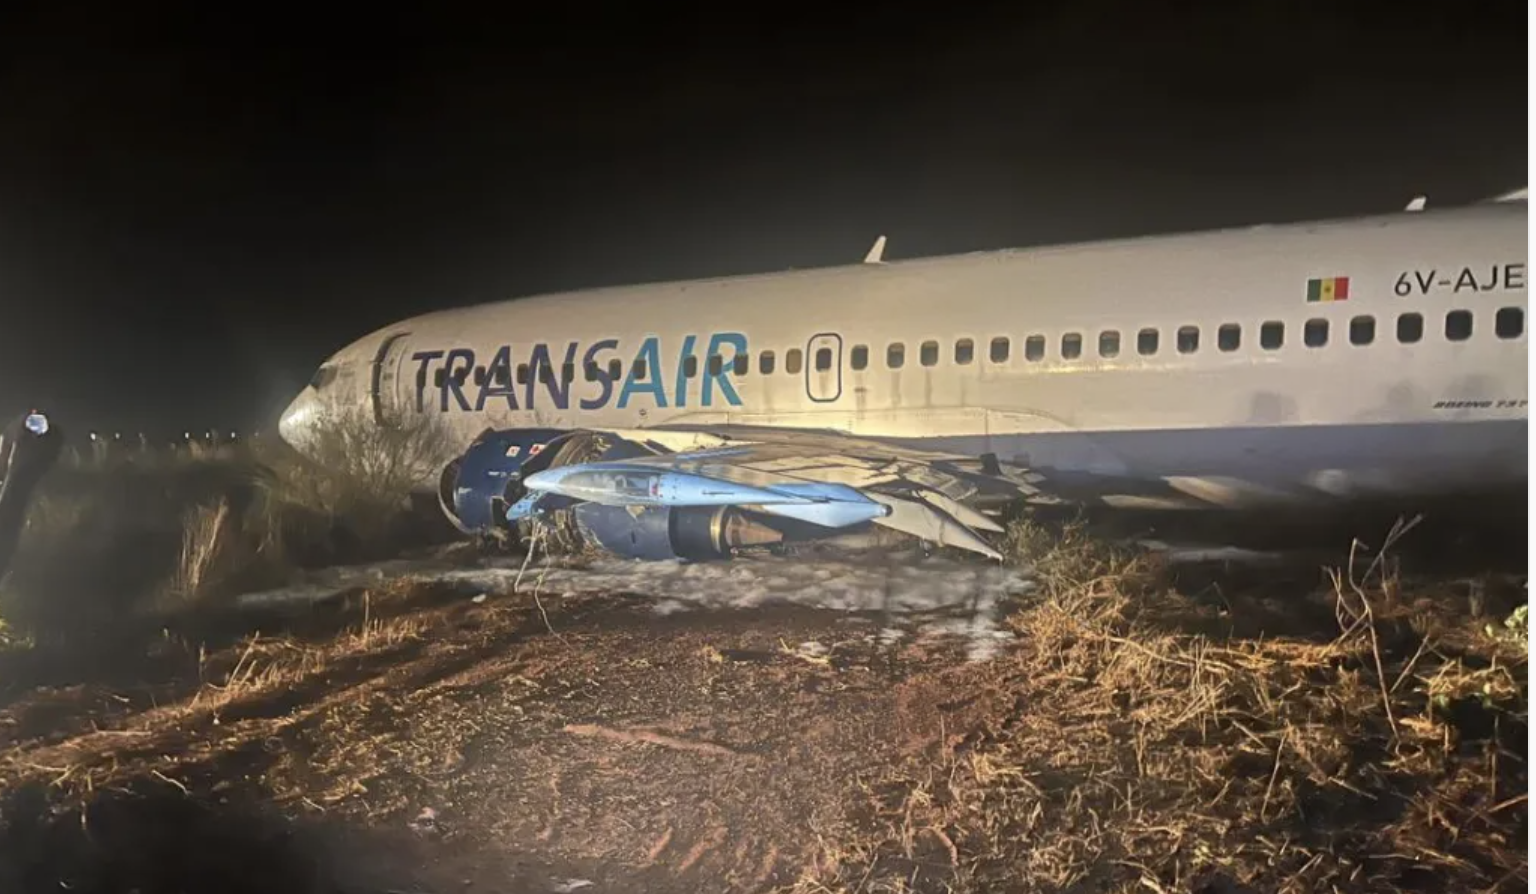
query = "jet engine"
x=665 y=532
x=476 y=489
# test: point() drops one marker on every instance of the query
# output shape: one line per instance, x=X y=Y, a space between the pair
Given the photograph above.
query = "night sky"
x=196 y=209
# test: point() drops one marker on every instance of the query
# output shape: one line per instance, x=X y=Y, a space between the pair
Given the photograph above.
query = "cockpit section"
x=324 y=376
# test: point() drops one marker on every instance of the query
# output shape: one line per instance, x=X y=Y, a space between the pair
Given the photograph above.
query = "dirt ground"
x=417 y=740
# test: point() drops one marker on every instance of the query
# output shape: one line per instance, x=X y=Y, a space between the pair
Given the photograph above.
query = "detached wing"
x=823 y=478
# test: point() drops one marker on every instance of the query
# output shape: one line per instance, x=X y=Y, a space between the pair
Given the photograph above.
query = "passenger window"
x=1362 y=330
x=823 y=359
x=1034 y=347
x=1146 y=342
x=928 y=354
x=502 y=375
x=615 y=370
x=640 y=371
x=567 y=372
x=546 y=374
x=440 y=378
x=895 y=355
x=792 y=361
x=1071 y=346
x=859 y=357
x=1458 y=325
x=480 y=376
x=1509 y=322
x=1187 y=339
x=999 y=349
x=589 y=371
x=690 y=367
x=765 y=363
x=461 y=375
x=1315 y=333
x=965 y=352
x=1272 y=335
x=522 y=374
x=1229 y=337
x=716 y=364
x=1410 y=328
x=740 y=364
x=1109 y=343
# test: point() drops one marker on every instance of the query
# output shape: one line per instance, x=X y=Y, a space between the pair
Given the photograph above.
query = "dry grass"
x=1369 y=736
x=1127 y=753
x=157 y=533
x=361 y=472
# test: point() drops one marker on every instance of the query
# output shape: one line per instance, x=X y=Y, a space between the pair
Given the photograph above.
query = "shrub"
x=164 y=532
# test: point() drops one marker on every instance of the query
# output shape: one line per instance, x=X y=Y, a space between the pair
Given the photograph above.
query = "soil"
x=418 y=740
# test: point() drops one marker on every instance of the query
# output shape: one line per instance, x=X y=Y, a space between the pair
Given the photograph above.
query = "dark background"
x=196 y=208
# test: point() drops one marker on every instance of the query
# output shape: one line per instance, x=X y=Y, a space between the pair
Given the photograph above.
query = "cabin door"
x=824 y=367
x=388 y=399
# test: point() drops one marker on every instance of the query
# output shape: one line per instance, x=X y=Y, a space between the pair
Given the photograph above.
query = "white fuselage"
x=1197 y=360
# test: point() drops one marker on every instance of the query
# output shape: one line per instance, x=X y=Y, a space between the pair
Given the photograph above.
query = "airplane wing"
x=821 y=478
x=631 y=482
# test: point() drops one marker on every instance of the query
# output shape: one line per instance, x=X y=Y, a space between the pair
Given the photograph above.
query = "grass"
x=149 y=535
x=1363 y=731
x=1158 y=743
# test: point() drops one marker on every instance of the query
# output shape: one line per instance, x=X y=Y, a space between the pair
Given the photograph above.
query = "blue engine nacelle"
x=476 y=488
x=665 y=532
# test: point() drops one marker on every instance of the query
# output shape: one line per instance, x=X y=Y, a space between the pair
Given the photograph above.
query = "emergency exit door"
x=824 y=367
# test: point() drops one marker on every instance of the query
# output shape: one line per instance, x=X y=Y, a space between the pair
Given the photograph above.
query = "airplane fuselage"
x=1381 y=355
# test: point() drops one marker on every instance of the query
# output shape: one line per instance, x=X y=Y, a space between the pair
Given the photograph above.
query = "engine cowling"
x=663 y=532
x=475 y=489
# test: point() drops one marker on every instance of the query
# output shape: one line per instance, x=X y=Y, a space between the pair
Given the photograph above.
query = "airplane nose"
x=297 y=420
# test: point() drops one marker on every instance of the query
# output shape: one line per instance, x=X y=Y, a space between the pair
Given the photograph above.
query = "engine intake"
x=488 y=475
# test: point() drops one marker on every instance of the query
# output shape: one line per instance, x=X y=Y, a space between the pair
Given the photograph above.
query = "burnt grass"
x=1354 y=727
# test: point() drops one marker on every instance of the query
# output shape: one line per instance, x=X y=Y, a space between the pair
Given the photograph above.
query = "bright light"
x=36 y=423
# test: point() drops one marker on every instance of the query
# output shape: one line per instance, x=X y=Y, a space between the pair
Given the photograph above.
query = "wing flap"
x=927 y=523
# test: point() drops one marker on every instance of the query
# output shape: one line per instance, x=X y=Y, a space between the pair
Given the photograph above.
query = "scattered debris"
x=425 y=823
x=646 y=735
x=811 y=651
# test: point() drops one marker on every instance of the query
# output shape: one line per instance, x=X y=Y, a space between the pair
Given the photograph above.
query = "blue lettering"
x=498 y=380
x=542 y=369
x=650 y=355
x=453 y=380
x=424 y=358
x=682 y=370
x=539 y=356
x=560 y=382
x=589 y=362
x=738 y=343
